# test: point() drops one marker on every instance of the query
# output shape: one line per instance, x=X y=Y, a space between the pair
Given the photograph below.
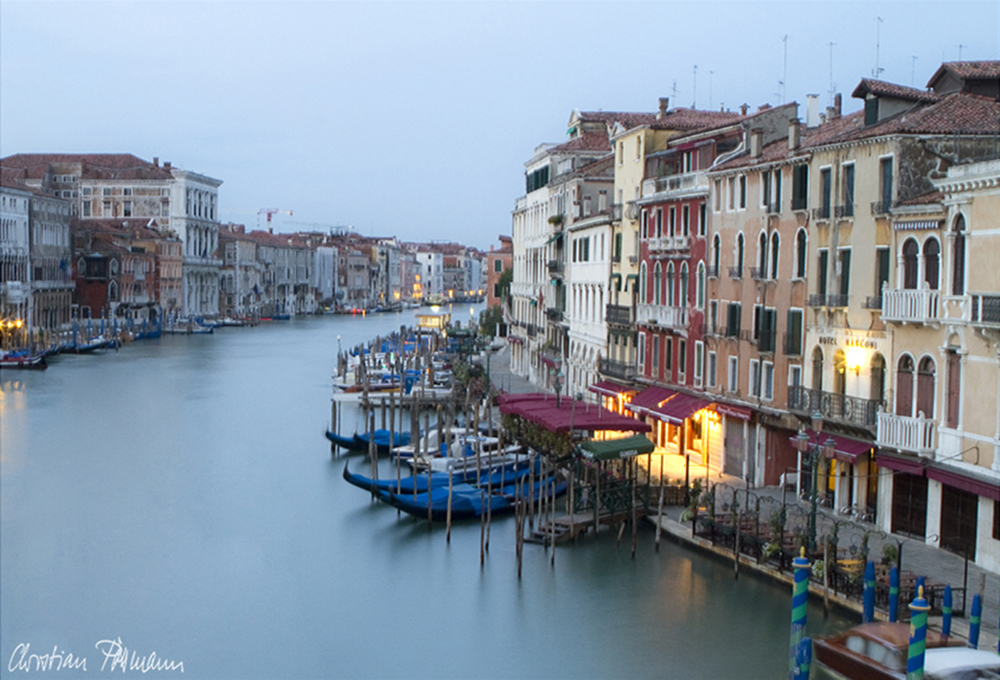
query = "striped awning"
x=913 y=225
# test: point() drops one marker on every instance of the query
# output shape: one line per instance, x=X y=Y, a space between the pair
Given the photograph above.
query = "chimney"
x=664 y=105
x=744 y=108
x=812 y=110
x=156 y=161
x=756 y=142
x=166 y=165
x=794 y=132
x=836 y=104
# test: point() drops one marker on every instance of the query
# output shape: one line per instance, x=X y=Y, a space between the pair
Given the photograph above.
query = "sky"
x=415 y=118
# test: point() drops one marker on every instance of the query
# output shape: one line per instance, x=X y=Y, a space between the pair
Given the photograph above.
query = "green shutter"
x=845 y=272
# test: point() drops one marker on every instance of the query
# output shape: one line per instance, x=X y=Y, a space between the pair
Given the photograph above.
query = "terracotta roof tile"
x=881 y=88
x=972 y=70
x=692 y=119
x=628 y=120
x=957 y=113
x=588 y=141
x=109 y=166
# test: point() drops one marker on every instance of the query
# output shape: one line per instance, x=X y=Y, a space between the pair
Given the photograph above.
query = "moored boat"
x=347 y=443
x=23 y=360
x=870 y=651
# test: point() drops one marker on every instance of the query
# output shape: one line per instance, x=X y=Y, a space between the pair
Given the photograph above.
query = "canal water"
x=179 y=496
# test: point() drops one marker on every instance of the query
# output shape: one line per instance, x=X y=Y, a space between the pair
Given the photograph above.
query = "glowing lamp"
x=855 y=358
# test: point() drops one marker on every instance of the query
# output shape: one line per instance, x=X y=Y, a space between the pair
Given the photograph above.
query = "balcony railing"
x=833 y=406
x=757 y=273
x=555 y=266
x=616 y=212
x=821 y=213
x=736 y=272
x=919 y=305
x=846 y=210
x=712 y=271
x=985 y=310
x=683 y=182
x=817 y=300
x=773 y=208
x=882 y=207
x=554 y=315
x=619 y=314
x=616 y=369
x=873 y=302
x=661 y=315
x=656 y=244
x=680 y=243
x=836 y=300
x=800 y=203
x=906 y=433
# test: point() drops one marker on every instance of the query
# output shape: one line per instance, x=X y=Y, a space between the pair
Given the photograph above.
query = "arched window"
x=932 y=263
x=925 y=387
x=775 y=249
x=642 y=283
x=113 y=267
x=904 y=386
x=817 y=372
x=801 y=250
x=958 y=258
x=113 y=291
x=670 y=284
x=81 y=267
x=762 y=254
x=716 y=252
x=910 y=251
x=877 y=390
x=700 y=286
x=739 y=252
x=657 y=284
x=684 y=286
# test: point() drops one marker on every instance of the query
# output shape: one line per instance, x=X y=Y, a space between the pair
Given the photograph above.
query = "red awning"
x=907 y=464
x=733 y=411
x=609 y=388
x=679 y=408
x=845 y=450
x=967 y=481
x=551 y=363
x=569 y=414
x=650 y=397
x=516 y=339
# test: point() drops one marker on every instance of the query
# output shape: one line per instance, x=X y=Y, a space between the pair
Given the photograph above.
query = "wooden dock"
x=569 y=526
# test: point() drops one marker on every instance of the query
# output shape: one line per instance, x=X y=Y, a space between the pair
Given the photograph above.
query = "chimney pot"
x=166 y=165
x=156 y=161
x=756 y=142
x=743 y=109
x=664 y=106
x=794 y=132
x=812 y=110
x=837 y=104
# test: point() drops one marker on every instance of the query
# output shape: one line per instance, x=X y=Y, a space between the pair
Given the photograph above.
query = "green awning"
x=611 y=283
x=631 y=277
x=611 y=449
x=554 y=237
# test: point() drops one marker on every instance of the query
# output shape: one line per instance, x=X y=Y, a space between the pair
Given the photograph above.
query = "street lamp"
x=557 y=384
x=816 y=451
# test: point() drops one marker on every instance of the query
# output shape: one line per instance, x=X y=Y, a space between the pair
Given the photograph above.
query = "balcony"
x=736 y=272
x=842 y=211
x=680 y=243
x=554 y=315
x=616 y=369
x=905 y=433
x=555 y=266
x=800 y=203
x=817 y=300
x=657 y=244
x=836 y=300
x=773 y=208
x=821 y=213
x=688 y=182
x=985 y=310
x=907 y=305
x=661 y=315
x=882 y=207
x=833 y=406
x=620 y=315
x=616 y=212
x=712 y=271
x=757 y=273
x=873 y=302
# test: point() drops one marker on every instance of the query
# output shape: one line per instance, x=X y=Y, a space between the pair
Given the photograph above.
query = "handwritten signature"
x=117 y=657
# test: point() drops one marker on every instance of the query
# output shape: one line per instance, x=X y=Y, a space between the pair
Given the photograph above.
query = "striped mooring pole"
x=800 y=596
x=975 y=616
x=918 y=637
x=803 y=659
x=868 y=613
x=893 y=594
x=946 y=603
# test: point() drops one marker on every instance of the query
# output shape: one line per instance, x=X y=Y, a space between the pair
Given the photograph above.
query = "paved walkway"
x=923 y=560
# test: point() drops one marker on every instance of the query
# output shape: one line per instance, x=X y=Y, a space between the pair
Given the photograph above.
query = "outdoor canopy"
x=612 y=449
x=568 y=414
x=679 y=408
x=651 y=397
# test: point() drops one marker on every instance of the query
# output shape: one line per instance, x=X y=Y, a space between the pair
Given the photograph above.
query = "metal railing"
x=555 y=266
x=616 y=369
x=821 y=213
x=882 y=207
x=834 y=406
x=836 y=300
x=758 y=273
x=800 y=203
x=619 y=314
x=736 y=272
x=817 y=300
x=985 y=310
x=712 y=271
x=846 y=210
x=873 y=302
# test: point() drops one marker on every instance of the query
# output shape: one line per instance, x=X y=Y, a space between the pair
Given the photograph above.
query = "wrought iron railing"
x=612 y=368
x=736 y=272
x=834 y=406
x=619 y=314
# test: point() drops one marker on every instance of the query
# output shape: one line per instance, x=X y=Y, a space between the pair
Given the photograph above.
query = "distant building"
x=497 y=262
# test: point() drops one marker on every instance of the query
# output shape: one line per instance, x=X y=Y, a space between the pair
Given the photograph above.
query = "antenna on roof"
x=960 y=46
x=832 y=86
x=784 y=72
x=674 y=95
x=913 y=68
x=694 y=97
x=878 y=42
x=710 y=74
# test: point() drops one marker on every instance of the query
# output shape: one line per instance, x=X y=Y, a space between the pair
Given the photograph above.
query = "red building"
x=498 y=261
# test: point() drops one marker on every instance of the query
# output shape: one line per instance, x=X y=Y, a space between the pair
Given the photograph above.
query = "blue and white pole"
x=800 y=597
x=893 y=594
x=868 y=613
x=946 y=604
x=918 y=637
x=803 y=659
x=975 y=617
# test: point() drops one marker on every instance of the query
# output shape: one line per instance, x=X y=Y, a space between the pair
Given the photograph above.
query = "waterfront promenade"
x=923 y=560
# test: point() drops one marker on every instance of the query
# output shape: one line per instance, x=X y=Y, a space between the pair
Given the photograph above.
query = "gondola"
x=467 y=501
x=382 y=439
x=24 y=361
x=487 y=478
x=346 y=443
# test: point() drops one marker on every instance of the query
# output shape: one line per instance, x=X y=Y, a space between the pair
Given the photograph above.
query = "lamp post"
x=557 y=383
x=815 y=451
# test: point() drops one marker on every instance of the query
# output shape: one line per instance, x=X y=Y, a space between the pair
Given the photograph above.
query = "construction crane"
x=271 y=211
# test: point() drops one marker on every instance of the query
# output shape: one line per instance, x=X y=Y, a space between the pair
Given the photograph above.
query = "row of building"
x=114 y=236
x=740 y=277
